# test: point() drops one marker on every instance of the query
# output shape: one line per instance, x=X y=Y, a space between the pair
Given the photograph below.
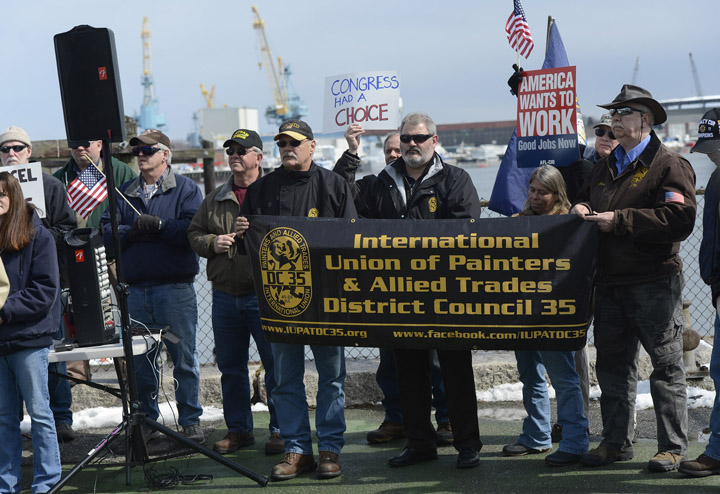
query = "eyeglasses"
x=81 y=144
x=418 y=138
x=238 y=151
x=624 y=111
x=145 y=150
x=293 y=143
x=17 y=148
x=599 y=131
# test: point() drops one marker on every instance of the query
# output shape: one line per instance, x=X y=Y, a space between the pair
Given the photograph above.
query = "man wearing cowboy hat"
x=708 y=143
x=642 y=198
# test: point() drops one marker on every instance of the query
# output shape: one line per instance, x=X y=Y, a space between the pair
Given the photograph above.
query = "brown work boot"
x=293 y=464
x=386 y=432
x=444 y=435
x=602 y=455
x=329 y=467
x=234 y=440
x=702 y=467
x=665 y=461
x=275 y=445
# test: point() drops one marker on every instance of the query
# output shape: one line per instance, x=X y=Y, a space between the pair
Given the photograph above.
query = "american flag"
x=518 y=31
x=87 y=191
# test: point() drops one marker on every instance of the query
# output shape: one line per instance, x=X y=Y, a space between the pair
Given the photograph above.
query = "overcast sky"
x=452 y=56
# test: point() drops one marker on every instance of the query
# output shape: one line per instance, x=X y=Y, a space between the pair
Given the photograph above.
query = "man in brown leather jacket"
x=642 y=197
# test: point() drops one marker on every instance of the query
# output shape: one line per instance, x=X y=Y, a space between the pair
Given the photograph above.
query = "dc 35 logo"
x=285 y=267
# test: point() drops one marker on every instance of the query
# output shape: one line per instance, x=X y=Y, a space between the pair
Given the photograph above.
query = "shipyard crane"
x=695 y=77
x=149 y=117
x=209 y=96
x=287 y=105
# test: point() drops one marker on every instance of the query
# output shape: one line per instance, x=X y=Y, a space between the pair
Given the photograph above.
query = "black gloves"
x=146 y=228
x=514 y=81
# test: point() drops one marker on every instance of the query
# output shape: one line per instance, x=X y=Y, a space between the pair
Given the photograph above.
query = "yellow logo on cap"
x=285 y=268
x=240 y=134
x=289 y=125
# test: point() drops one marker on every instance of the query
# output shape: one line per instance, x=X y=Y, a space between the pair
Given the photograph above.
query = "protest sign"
x=547 y=118
x=31 y=182
x=371 y=99
x=500 y=283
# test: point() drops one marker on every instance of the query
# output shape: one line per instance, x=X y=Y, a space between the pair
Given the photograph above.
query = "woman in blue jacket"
x=28 y=320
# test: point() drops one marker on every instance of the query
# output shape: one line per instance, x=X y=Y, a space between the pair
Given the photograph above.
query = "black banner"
x=502 y=283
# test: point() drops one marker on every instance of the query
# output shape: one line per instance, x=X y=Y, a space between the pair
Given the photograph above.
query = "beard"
x=414 y=158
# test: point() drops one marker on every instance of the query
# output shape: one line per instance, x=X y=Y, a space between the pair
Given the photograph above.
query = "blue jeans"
x=713 y=448
x=26 y=370
x=291 y=403
x=173 y=304
x=386 y=377
x=234 y=320
x=560 y=367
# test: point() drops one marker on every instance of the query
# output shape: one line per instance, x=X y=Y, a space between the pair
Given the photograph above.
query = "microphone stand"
x=133 y=418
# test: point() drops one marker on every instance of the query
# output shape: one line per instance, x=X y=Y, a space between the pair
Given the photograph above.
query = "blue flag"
x=511 y=183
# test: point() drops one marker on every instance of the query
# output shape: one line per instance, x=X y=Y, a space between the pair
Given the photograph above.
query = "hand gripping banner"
x=502 y=283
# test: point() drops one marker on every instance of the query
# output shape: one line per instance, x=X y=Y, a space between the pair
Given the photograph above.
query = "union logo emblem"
x=313 y=213
x=432 y=204
x=285 y=268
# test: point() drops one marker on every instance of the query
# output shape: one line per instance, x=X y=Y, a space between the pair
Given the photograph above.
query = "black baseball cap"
x=246 y=138
x=708 y=133
x=297 y=129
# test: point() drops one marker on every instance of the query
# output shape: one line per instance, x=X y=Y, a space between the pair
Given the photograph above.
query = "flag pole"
x=87 y=157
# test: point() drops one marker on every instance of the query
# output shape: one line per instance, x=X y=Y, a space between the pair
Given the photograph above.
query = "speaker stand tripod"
x=136 y=451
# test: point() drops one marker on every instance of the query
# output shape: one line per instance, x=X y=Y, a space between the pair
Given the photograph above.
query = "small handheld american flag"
x=518 y=31
x=87 y=191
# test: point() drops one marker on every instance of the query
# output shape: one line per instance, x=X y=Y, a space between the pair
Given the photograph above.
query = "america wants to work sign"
x=501 y=283
x=547 y=118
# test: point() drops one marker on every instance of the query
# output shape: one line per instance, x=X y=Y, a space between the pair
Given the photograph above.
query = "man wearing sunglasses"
x=605 y=140
x=16 y=149
x=419 y=185
x=386 y=375
x=235 y=312
x=160 y=268
x=301 y=188
x=81 y=154
x=642 y=198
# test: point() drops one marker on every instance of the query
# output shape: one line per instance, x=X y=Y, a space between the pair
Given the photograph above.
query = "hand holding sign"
x=352 y=136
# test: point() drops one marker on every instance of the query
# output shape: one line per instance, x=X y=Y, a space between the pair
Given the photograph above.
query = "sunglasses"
x=81 y=144
x=601 y=132
x=17 y=148
x=293 y=143
x=624 y=111
x=238 y=151
x=145 y=150
x=418 y=138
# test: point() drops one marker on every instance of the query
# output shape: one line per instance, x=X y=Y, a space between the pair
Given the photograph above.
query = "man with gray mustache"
x=642 y=198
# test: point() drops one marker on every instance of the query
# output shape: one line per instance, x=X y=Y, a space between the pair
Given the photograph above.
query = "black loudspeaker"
x=89 y=287
x=90 y=85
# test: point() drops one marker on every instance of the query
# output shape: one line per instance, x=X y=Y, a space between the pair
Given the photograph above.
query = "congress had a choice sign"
x=547 y=118
x=371 y=99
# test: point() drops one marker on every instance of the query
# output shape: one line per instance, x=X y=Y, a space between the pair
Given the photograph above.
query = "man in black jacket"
x=301 y=188
x=419 y=185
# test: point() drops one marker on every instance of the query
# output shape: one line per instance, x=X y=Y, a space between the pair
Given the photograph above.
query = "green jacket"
x=121 y=173
x=229 y=272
